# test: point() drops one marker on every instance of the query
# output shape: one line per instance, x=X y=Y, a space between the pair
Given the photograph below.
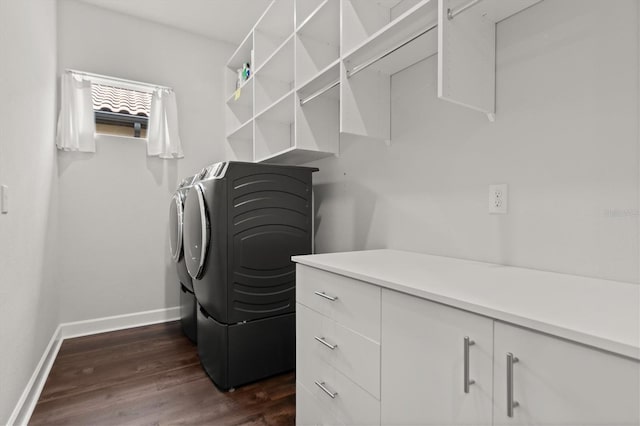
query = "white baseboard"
x=27 y=402
x=118 y=322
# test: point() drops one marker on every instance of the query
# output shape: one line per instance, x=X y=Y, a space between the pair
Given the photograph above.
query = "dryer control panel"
x=213 y=171
x=187 y=181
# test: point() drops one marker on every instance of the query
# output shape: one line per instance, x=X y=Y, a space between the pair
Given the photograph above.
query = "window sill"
x=103 y=136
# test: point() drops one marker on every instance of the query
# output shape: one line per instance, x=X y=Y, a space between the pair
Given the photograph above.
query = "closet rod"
x=453 y=13
x=355 y=70
x=319 y=92
x=118 y=80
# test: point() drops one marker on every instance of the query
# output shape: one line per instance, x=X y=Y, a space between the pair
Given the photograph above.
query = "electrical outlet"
x=498 y=199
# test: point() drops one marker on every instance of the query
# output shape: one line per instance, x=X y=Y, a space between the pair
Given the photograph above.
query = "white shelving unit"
x=318 y=113
x=241 y=56
x=241 y=141
x=274 y=128
x=378 y=40
x=304 y=9
x=322 y=69
x=363 y=20
x=410 y=30
x=318 y=41
x=239 y=104
x=275 y=78
x=317 y=76
x=277 y=115
x=272 y=29
x=466 y=47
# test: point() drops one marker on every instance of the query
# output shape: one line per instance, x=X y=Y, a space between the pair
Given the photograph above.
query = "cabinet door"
x=556 y=382
x=423 y=364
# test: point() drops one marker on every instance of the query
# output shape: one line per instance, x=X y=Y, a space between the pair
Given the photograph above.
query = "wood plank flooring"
x=152 y=375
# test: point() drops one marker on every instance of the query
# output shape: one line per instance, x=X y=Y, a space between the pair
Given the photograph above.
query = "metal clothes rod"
x=453 y=13
x=119 y=80
x=357 y=69
x=319 y=92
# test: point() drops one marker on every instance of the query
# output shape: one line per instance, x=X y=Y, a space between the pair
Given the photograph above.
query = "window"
x=93 y=103
x=120 y=111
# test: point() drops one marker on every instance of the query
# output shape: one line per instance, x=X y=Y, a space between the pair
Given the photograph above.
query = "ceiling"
x=226 y=20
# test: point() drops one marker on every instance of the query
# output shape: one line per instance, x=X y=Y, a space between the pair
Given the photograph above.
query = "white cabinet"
x=424 y=363
x=556 y=382
x=553 y=381
x=337 y=349
x=374 y=347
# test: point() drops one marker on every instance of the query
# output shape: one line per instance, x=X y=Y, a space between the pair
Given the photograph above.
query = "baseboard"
x=118 y=322
x=27 y=402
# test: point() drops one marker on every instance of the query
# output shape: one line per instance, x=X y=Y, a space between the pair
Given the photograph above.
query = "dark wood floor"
x=152 y=375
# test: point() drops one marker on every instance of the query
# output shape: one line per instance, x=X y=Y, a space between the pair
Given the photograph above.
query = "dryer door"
x=196 y=231
x=175 y=227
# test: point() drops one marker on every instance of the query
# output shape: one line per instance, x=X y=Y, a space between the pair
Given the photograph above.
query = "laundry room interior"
x=337 y=212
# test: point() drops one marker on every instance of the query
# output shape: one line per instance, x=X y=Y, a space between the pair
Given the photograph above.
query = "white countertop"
x=600 y=313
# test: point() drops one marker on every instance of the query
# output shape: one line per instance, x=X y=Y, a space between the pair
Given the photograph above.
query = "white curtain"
x=162 y=134
x=76 y=122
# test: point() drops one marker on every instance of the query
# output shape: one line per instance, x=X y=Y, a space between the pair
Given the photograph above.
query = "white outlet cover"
x=498 y=198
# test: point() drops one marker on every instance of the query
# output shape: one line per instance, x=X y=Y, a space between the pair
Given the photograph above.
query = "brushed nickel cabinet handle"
x=511 y=404
x=322 y=386
x=326 y=296
x=324 y=342
x=467 y=382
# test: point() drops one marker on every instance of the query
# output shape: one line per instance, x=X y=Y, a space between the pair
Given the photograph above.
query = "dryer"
x=243 y=222
x=176 y=248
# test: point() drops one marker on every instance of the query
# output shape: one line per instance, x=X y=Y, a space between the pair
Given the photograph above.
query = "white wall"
x=114 y=203
x=565 y=140
x=28 y=293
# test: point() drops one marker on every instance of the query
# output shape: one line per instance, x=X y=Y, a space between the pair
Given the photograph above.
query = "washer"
x=243 y=222
x=176 y=226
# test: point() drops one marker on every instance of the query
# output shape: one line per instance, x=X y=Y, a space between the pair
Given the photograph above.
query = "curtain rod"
x=119 y=80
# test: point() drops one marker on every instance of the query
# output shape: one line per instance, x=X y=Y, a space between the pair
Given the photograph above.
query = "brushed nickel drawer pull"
x=324 y=342
x=322 y=386
x=467 y=382
x=511 y=404
x=326 y=296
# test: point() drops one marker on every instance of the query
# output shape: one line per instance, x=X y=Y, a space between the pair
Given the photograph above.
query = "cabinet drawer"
x=354 y=355
x=351 y=405
x=310 y=411
x=351 y=303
